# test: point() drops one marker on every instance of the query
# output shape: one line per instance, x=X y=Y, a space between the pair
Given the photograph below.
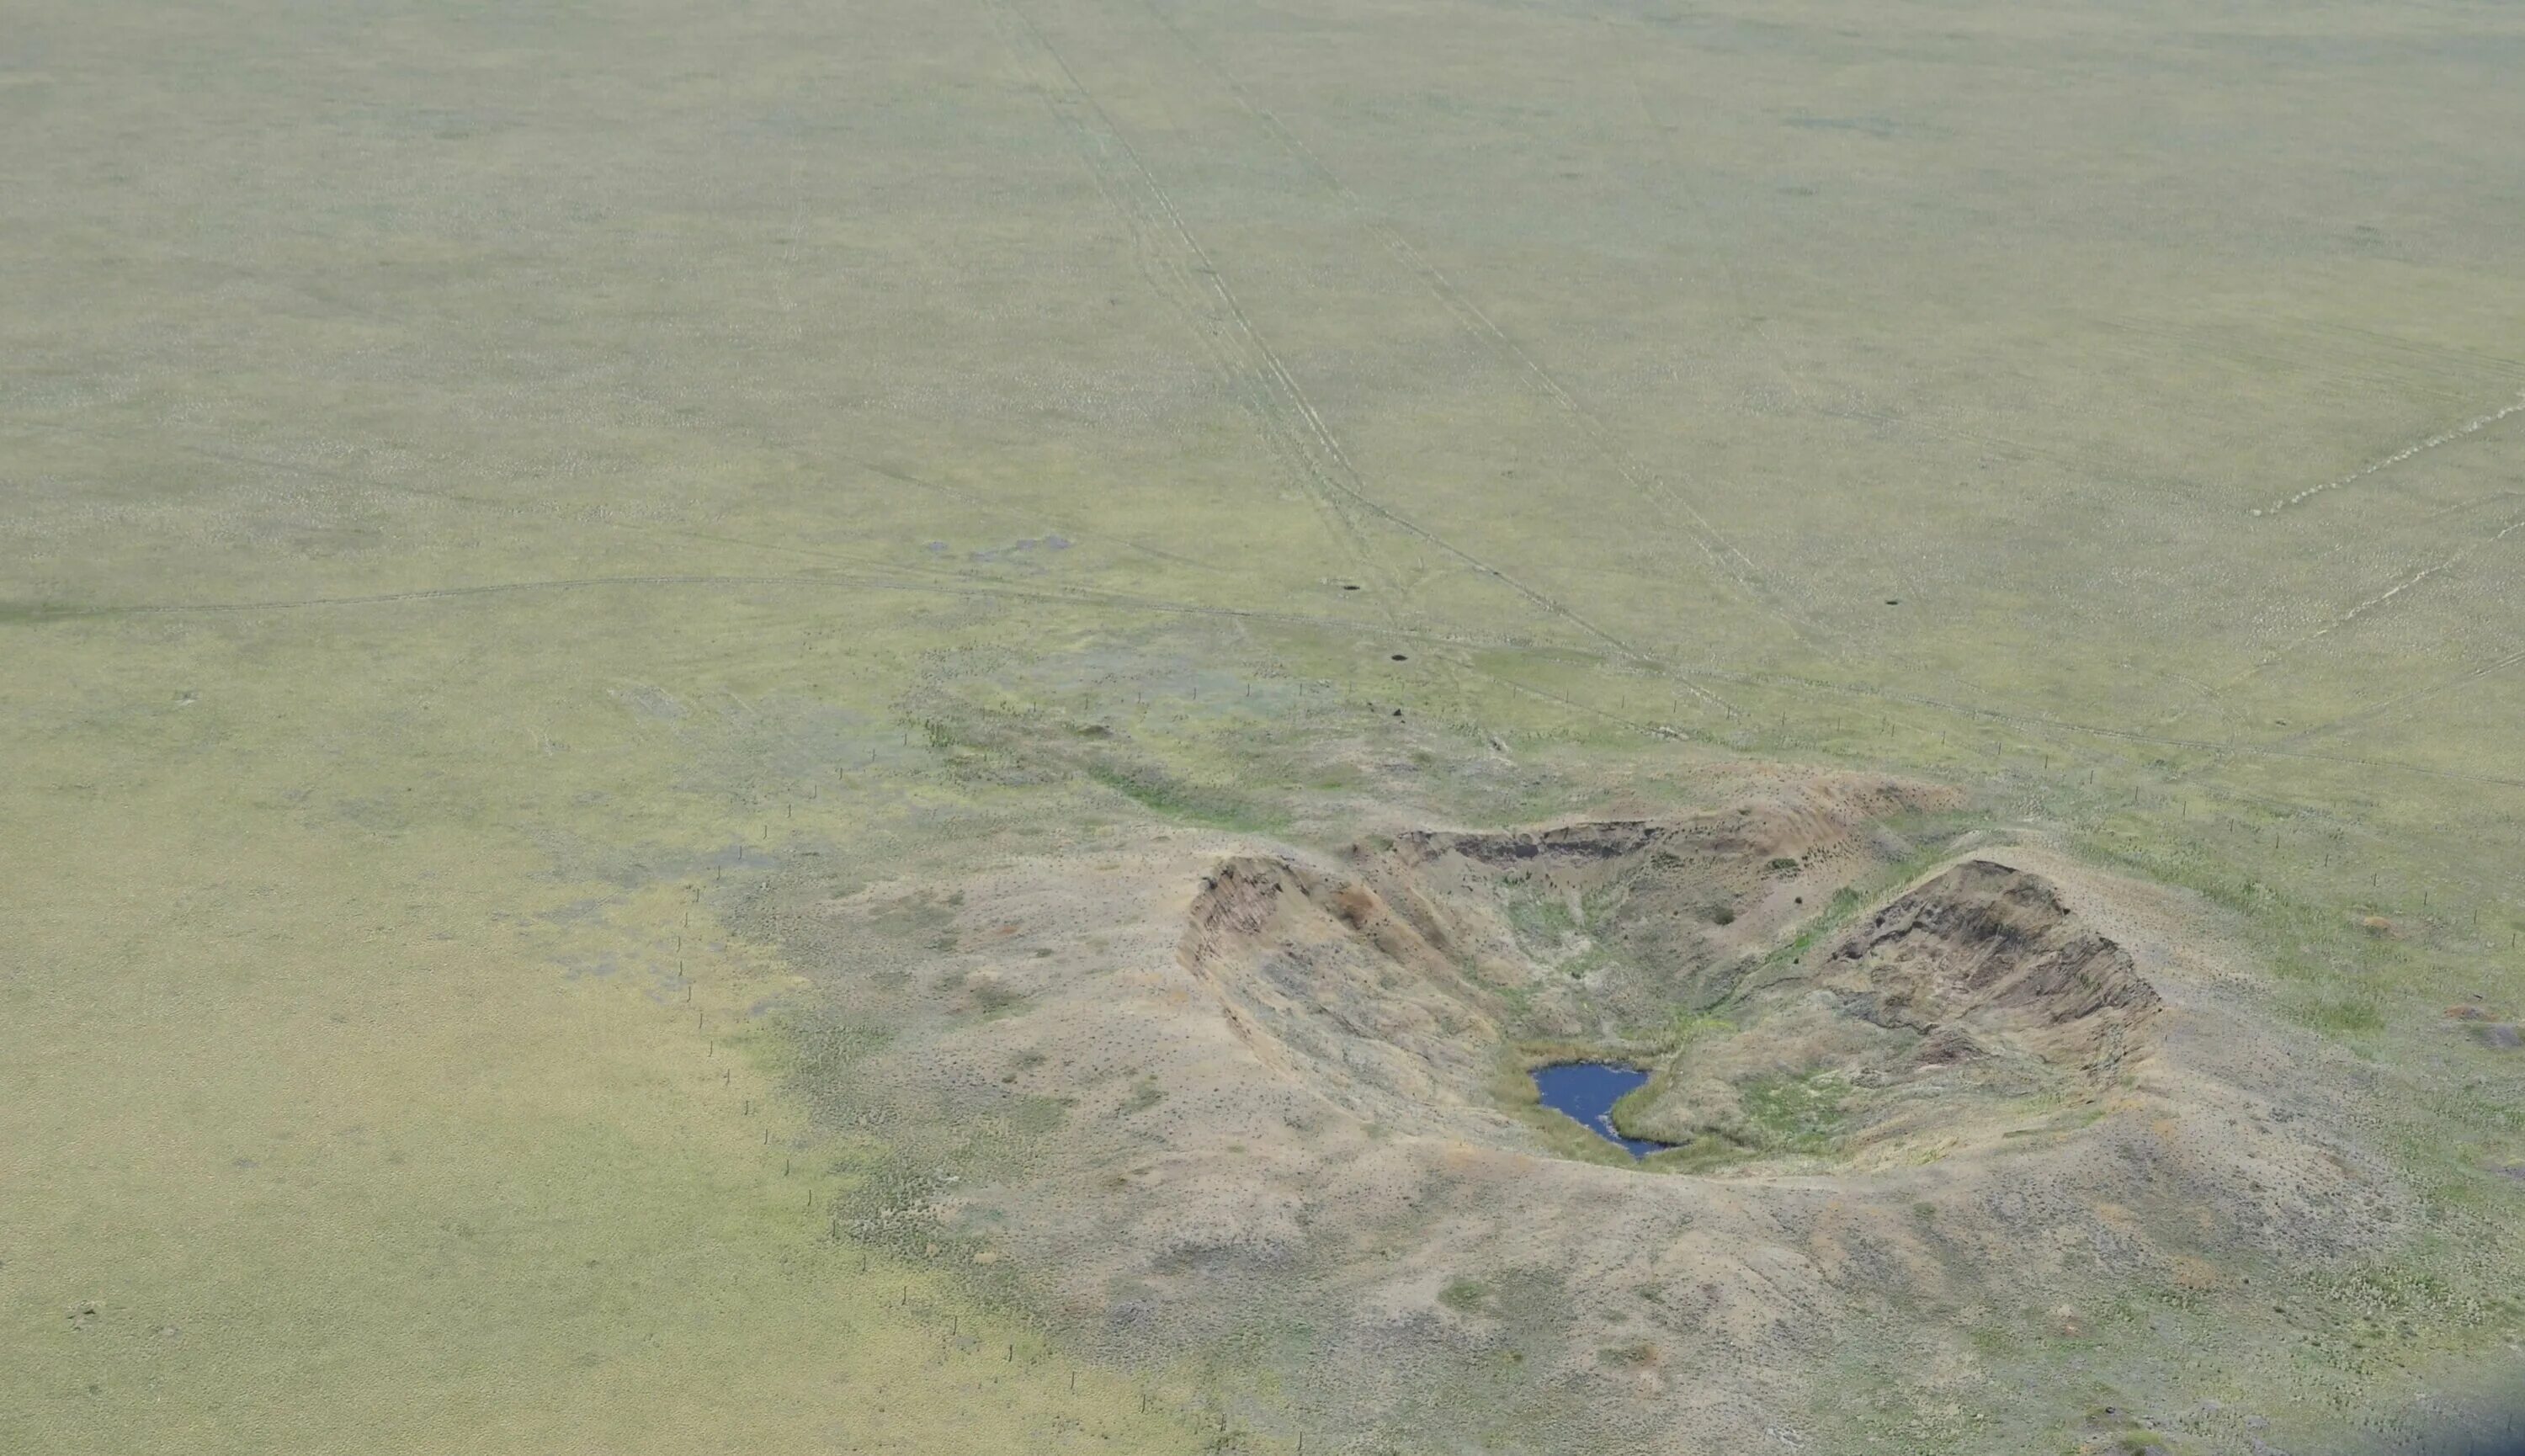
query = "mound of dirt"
x=1988 y=947
x=1324 y=982
x=1231 y=1090
x=1976 y=1006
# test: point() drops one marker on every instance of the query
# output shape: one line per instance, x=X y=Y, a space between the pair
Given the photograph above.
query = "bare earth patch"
x=1294 y=1121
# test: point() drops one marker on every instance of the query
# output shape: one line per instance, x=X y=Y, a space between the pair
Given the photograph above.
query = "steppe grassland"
x=1630 y=363
x=461 y=1157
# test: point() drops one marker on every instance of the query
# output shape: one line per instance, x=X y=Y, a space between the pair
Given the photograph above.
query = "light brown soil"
x=1288 y=1098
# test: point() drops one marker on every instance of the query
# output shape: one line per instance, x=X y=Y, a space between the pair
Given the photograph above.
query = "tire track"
x=1289 y=413
x=1651 y=729
x=2472 y=425
x=1722 y=554
x=1056 y=86
x=2359 y=718
x=2382 y=599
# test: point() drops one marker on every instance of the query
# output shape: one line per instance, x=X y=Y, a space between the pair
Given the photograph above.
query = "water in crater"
x=1586 y=1091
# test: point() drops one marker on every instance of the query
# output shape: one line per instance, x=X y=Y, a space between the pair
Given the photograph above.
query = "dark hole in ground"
x=1398 y=657
x=1585 y=1093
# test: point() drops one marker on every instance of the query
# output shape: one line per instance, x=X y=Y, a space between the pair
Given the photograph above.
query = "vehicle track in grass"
x=1188 y=282
x=2378 y=602
x=2472 y=426
x=1723 y=555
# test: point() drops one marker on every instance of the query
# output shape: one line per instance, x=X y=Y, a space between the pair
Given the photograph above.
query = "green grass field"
x=478 y=482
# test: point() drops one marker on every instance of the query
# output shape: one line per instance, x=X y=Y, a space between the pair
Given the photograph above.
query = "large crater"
x=1408 y=984
x=1225 y=1099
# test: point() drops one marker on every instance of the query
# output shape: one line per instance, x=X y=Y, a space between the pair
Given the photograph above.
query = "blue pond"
x=1586 y=1091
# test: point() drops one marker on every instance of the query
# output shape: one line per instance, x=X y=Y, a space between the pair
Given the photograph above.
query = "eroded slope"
x=1277 y=1095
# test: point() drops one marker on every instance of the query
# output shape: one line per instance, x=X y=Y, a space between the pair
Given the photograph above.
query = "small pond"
x=1586 y=1091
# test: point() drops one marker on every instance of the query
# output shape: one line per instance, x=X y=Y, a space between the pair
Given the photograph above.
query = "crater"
x=1419 y=981
x=1973 y=1007
x=1273 y=1088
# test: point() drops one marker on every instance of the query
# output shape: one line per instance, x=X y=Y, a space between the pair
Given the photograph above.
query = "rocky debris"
x=1991 y=947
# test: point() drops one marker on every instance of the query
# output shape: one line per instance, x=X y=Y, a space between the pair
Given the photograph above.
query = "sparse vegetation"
x=1795 y=1114
x=1542 y=920
x=1163 y=793
x=2348 y=1015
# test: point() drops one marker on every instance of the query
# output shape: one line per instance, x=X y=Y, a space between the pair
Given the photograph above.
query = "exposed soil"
x=1975 y=1006
x=1289 y=1097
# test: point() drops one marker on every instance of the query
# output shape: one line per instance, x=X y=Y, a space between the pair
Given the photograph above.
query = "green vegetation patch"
x=1540 y=919
x=2344 y=1015
x=1164 y=793
x=1796 y=1114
